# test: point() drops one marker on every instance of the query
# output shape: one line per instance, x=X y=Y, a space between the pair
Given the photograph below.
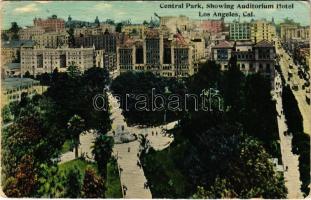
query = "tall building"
x=50 y=24
x=212 y=25
x=239 y=31
x=251 y=58
x=158 y=53
x=262 y=30
x=293 y=31
x=40 y=60
x=106 y=41
x=51 y=40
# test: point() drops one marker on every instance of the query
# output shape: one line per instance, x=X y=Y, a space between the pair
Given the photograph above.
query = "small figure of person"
x=128 y=149
x=152 y=133
x=156 y=133
x=138 y=164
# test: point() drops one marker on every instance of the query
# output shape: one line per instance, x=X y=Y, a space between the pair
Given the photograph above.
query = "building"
x=251 y=58
x=212 y=25
x=158 y=53
x=134 y=29
x=10 y=50
x=40 y=60
x=239 y=31
x=29 y=32
x=294 y=31
x=12 y=70
x=89 y=31
x=51 y=40
x=106 y=41
x=262 y=30
x=51 y=24
x=182 y=22
x=13 y=88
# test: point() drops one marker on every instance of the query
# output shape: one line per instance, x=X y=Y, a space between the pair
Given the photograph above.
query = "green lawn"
x=113 y=183
x=66 y=146
x=79 y=163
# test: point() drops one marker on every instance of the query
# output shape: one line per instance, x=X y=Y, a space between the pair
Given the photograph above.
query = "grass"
x=113 y=183
x=79 y=163
x=67 y=146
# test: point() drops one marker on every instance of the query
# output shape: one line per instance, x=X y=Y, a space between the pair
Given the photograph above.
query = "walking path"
x=132 y=175
x=290 y=160
x=86 y=141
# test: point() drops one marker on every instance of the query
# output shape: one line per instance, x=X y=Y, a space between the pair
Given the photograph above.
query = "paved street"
x=285 y=61
x=290 y=160
x=132 y=176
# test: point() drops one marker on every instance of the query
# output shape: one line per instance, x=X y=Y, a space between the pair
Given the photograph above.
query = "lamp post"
x=166 y=92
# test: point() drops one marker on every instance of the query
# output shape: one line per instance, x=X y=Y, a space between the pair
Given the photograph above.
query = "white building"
x=40 y=60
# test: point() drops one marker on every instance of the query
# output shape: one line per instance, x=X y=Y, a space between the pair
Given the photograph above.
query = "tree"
x=93 y=185
x=27 y=74
x=110 y=21
x=73 y=71
x=73 y=183
x=14 y=30
x=5 y=37
x=144 y=143
x=51 y=182
x=71 y=37
x=26 y=176
x=102 y=150
x=6 y=114
x=76 y=125
x=119 y=27
x=10 y=188
x=97 y=21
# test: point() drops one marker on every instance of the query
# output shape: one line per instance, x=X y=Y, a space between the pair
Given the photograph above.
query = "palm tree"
x=102 y=150
x=144 y=143
x=76 y=125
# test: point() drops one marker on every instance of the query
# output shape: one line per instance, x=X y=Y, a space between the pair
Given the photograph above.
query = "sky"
x=137 y=11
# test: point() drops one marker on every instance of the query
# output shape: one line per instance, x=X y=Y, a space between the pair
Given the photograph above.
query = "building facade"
x=29 y=32
x=239 y=31
x=262 y=30
x=45 y=60
x=106 y=41
x=294 y=31
x=164 y=56
x=51 y=40
x=212 y=25
x=52 y=24
x=251 y=58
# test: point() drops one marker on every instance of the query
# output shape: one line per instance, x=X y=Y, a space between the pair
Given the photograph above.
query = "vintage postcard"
x=155 y=99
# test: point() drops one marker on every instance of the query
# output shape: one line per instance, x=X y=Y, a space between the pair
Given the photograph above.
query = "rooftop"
x=12 y=83
x=224 y=44
x=264 y=43
x=17 y=43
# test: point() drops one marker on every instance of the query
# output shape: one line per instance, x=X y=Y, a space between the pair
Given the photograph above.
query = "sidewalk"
x=290 y=160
